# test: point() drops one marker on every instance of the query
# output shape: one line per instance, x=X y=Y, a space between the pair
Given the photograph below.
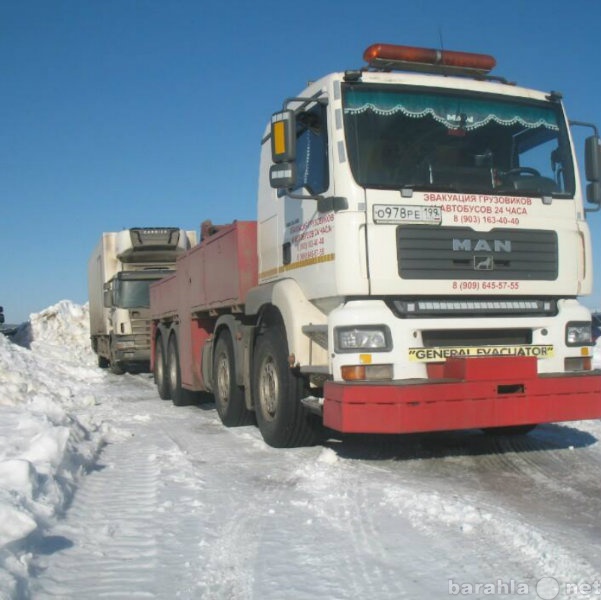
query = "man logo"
x=484 y=263
x=468 y=245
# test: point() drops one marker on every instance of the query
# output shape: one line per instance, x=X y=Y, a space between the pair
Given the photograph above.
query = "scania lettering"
x=420 y=245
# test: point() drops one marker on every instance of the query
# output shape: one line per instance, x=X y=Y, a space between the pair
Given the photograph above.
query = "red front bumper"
x=475 y=393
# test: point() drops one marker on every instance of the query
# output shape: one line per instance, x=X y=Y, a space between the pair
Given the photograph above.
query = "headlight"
x=579 y=334
x=369 y=337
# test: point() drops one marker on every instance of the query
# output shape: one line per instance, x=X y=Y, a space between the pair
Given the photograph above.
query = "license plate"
x=394 y=213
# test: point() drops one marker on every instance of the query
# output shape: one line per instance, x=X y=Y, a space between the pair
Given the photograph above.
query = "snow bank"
x=44 y=446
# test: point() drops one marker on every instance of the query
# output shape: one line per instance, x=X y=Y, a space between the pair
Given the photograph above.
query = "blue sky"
x=123 y=113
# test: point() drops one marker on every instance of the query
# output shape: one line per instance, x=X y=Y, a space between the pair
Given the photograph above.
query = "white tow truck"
x=420 y=247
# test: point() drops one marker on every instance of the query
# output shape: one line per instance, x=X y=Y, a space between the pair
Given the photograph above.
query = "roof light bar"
x=390 y=57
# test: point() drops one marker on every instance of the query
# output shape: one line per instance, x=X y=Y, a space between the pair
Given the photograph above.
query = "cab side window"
x=312 y=150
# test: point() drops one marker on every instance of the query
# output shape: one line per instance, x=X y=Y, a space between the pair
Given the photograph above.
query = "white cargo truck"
x=120 y=270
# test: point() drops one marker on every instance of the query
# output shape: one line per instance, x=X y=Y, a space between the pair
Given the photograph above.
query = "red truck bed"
x=215 y=274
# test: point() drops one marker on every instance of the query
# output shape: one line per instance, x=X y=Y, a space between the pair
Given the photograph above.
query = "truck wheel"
x=283 y=420
x=103 y=362
x=115 y=367
x=178 y=396
x=160 y=376
x=229 y=396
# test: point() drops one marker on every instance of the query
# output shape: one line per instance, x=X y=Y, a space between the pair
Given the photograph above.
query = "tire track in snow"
x=562 y=476
x=510 y=504
x=539 y=553
x=114 y=515
x=381 y=553
x=226 y=530
x=335 y=500
x=546 y=479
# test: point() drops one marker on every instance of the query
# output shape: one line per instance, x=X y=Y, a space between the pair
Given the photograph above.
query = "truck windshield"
x=132 y=293
x=444 y=140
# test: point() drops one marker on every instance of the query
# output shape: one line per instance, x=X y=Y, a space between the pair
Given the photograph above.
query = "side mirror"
x=282 y=175
x=283 y=149
x=593 y=192
x=107 y=299
x=592 y=165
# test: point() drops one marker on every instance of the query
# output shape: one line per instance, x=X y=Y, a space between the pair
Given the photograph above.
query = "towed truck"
x=120 y=271
x=420 y=246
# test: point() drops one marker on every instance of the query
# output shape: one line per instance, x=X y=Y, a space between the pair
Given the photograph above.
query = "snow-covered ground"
x=107 y=491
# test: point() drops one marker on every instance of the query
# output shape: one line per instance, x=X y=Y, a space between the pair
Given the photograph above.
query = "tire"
x=229 y=397
x=115 y=367
x=283 y=421
x=178 y=396
x=160 y=370
x=103 y=362
x=510 y=430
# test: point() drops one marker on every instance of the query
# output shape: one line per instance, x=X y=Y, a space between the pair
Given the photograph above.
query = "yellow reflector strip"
x=279 y=138
x=365 y=359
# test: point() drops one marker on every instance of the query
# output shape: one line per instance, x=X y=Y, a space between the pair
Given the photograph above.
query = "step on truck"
x=420 y=246
x=120 y=271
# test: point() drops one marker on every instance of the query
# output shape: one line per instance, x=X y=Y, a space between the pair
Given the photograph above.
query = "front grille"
x=478 y=337
x=428 y=252
x=140 y=329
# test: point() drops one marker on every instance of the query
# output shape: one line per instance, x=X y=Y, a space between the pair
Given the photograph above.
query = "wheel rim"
x=172 y=371
x=159 y=364
x=269 y=388
x=223 y=378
